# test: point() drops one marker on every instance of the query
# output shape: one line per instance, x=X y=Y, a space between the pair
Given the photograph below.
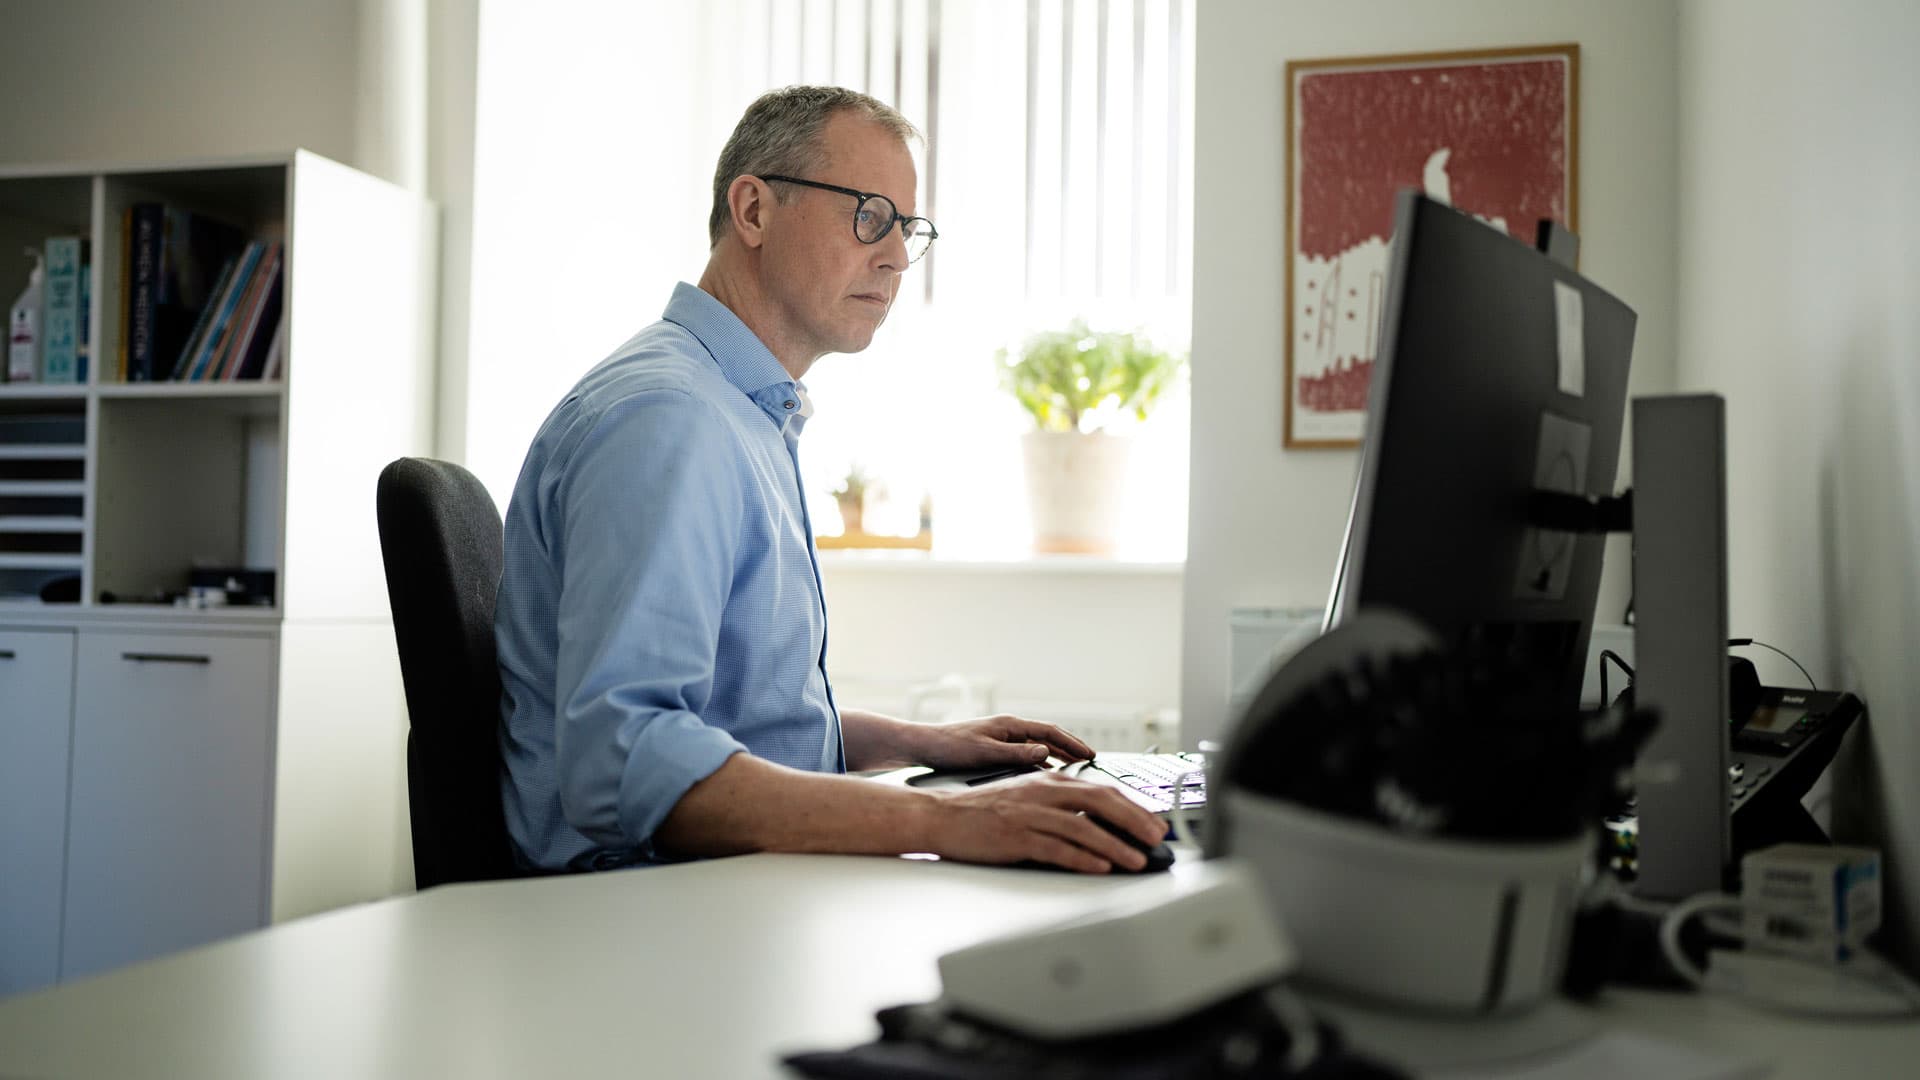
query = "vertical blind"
x=1103 y=122
x=1104 y=81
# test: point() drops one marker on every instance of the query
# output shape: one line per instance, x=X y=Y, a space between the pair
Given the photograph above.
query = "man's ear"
x=750 y=201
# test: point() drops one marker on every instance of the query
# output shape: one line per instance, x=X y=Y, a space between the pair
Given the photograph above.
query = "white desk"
x=709 y=969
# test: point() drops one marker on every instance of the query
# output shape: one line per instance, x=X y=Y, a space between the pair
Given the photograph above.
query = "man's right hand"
x=1043 y=817
x=748 y=804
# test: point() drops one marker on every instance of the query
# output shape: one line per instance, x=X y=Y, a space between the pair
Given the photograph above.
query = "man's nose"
x=894 y=249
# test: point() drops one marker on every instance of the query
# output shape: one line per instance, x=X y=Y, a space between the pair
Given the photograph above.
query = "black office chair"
x=440 y=537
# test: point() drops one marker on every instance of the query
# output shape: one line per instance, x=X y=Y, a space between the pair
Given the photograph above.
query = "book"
x=60 y=353
x=199 y=333
x=85 y=352
x=230 y=321
x=224 y=305
x=193 y=249
x=148 y=221
x=262 y=312
x=266 y=327
x=126 y=293
x=245 y=316
x=275 y=363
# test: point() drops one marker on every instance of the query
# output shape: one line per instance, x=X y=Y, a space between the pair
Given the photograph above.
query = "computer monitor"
x=1501 y=372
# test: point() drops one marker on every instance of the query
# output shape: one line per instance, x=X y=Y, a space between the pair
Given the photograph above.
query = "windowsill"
x=921 y=562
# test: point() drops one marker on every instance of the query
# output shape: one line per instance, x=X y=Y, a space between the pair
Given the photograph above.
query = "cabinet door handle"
x=6 y=654
x=164 y=658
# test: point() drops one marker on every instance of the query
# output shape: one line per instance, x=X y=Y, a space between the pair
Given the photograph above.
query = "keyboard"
x=1149 y=779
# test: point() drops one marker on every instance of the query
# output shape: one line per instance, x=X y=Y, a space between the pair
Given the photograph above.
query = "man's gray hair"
x=781 y=133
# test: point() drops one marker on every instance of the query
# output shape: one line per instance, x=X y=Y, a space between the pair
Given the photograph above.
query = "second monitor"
x=1501 y=372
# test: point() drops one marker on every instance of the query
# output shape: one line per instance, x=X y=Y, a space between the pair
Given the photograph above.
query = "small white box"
x=1810 y=900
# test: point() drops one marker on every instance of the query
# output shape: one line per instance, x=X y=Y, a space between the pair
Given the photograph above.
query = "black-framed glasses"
x=871 y=223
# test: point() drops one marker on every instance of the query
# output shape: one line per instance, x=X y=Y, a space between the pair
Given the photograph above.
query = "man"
x=661 y=632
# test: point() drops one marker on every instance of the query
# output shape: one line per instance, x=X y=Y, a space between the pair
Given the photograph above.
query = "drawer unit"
x=169 y=828
x=36 y=715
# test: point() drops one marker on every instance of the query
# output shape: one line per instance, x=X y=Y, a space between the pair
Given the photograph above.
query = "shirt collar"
x=743 y=358
x=796 y=410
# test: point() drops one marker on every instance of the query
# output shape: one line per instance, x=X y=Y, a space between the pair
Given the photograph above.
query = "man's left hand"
x=996 y=740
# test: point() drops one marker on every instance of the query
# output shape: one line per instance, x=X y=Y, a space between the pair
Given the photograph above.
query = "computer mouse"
x=1159 y=856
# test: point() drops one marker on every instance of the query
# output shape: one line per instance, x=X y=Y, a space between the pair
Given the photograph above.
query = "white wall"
x=1799 y=276
x=1057 y=640
x=105 y=80
x=1265 y=524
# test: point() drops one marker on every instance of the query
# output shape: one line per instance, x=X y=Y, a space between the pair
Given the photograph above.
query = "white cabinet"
x=36 y=686
x=268 y=781
x=168 y=837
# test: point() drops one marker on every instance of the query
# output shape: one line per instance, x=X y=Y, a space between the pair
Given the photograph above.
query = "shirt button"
x=787 y=405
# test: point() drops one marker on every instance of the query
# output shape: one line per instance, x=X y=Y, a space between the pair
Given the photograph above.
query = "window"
x=1058 y=169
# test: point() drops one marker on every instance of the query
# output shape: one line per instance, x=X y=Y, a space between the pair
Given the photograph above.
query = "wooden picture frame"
x=1494 y=132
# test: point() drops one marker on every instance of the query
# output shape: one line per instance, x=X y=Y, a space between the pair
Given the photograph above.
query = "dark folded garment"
x=1239 y=1037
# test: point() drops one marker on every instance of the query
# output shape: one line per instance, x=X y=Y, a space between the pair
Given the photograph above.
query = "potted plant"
x=1074 y=383
x=851 y=496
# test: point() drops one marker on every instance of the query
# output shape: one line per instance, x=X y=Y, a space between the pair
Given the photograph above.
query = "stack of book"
x=201 y=305
x=237 y=335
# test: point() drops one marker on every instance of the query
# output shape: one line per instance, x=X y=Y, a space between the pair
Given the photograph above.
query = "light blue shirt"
x=660 y=608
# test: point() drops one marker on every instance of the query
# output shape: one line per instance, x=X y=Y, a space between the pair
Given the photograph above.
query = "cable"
x=1676 y=918
x=1606 y=655
x=1732 y=643
x=1736 y=642
x=1303 y=1033
x=1182 y=824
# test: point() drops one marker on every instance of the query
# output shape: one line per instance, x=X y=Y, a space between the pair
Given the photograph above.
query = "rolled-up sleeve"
x=652 y=504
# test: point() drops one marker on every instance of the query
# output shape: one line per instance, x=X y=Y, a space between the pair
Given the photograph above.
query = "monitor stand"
x=1680 y=631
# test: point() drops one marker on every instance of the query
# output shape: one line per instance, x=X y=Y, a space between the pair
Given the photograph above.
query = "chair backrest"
x=440 y=537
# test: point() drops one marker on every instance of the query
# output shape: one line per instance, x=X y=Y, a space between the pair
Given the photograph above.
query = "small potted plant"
x=851 y=496
x=1075 y=383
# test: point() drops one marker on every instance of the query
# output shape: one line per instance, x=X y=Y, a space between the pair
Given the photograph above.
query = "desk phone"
x=1785 y=743
x=1775 y=753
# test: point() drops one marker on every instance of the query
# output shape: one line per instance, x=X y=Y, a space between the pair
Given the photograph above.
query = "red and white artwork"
x=1492 y=133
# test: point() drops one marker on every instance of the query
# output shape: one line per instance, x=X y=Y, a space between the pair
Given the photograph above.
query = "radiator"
x=1104 y=725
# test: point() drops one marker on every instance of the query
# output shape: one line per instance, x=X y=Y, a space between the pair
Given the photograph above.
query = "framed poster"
x=1494 y=133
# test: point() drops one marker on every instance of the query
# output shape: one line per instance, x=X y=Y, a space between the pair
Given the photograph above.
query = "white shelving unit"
x=206 y=770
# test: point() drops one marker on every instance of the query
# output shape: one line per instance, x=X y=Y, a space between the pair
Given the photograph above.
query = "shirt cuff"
x=675 y=753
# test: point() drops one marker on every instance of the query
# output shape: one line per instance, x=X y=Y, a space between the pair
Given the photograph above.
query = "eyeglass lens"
x=876 y=215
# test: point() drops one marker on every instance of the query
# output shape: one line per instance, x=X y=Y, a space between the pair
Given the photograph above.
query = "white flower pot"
x=1440 y=925
x=1073 y=490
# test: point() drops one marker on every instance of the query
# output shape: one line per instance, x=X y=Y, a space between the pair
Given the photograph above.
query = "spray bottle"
x=23 y=337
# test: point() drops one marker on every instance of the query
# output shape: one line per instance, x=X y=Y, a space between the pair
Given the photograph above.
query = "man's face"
x=832 y=291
